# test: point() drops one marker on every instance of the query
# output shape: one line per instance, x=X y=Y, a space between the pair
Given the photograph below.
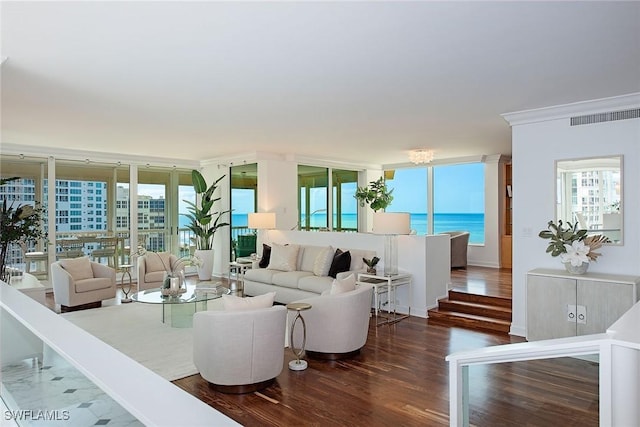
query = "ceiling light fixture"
x=421 y=156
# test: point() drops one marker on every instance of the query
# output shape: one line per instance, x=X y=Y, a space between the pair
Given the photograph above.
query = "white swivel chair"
x=337 y=326
x=152 y=267
x=79 y=283
x=239 y=351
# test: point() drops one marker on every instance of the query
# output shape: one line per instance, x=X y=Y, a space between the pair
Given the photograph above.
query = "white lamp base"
x=298 y=365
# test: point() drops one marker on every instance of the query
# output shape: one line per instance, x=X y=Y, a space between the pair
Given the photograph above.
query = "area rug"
x=137 y=330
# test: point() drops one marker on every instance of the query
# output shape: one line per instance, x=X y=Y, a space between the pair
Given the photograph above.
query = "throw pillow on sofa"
x=234 y=303
x=346 y=284
x=341 y=262
x=266 y=256
x=283 y=257
x=323 y=262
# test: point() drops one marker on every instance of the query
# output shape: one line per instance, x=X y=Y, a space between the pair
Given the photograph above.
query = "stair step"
x=455 y=295
x=471 y=321
x=478 y=309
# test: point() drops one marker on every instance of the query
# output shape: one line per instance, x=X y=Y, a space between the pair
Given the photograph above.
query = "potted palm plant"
x=204 y=221
x=22 y=223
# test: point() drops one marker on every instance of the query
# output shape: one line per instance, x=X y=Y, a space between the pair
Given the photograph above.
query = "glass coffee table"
x=182 y=307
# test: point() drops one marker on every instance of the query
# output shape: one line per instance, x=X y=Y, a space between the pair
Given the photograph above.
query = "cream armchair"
x=459 y=245
x=239 y=351
x=152 y=267
x=337 y=326
x=79 y=283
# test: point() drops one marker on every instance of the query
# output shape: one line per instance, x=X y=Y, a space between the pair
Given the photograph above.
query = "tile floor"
x=54 y=393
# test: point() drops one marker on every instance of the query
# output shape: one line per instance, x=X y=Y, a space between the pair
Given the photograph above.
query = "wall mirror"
x=589 y=192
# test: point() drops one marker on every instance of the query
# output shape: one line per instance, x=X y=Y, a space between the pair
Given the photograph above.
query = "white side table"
x=126 y=271
x=388 y=285
x=298 y=307
x=237 y=269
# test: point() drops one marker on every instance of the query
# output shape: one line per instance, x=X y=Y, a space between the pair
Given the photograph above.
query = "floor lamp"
x=261 y=221
x=390 y=224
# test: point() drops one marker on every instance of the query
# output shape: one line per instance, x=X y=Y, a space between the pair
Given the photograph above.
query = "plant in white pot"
x=204 y=221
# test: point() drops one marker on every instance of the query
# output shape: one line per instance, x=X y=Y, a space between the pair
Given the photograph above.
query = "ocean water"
x=471 y=222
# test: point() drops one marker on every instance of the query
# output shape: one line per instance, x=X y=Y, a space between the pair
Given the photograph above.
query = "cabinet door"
x=605 y=302
x=547 y=301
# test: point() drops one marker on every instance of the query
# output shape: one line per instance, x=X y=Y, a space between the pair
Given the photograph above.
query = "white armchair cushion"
x=234 y=303
x=283 y=257
x=78 y=268
x=342 y=285
x=323 y=262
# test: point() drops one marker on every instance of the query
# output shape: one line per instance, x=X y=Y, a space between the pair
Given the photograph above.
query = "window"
x=313 y=199
x=458 y=199
x=244 y=199
x=345 y=207
x=409 y=195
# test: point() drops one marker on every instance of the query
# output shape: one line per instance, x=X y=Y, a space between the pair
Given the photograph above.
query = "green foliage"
x=22 y=223
x=376 y=195
x=560 y=235
x=371 y=263
x=204 y=222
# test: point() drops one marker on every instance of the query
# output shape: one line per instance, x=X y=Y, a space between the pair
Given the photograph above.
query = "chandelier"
x=421 y=156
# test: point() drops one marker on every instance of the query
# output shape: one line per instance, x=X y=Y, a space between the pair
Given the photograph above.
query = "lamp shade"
x=262 y=220
x=391 y=223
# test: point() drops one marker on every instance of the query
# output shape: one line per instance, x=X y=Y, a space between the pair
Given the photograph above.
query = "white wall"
x=539 y=139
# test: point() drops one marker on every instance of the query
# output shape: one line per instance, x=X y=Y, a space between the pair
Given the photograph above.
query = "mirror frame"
x=558 y=195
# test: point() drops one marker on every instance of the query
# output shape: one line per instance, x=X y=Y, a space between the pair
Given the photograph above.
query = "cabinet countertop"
x=600 y=277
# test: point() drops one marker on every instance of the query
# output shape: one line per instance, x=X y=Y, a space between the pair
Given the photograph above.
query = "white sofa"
x=300 y=283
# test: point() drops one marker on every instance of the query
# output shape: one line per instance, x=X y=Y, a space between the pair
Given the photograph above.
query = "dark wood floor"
x=401 y=378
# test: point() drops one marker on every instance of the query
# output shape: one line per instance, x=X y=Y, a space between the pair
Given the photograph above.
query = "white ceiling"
x=357 y=81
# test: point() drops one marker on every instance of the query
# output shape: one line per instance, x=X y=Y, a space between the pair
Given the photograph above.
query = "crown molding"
x=481 y=158
x=563 y=111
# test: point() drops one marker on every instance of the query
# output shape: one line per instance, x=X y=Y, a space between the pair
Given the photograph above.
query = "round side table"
x=126 y=270
x=298 y=364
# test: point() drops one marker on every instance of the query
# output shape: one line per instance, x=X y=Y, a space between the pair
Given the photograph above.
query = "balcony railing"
x=32 y=332
x=618 y=352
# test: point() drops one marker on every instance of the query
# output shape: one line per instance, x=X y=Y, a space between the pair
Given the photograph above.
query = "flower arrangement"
x=573 y=246
x=174 y=282
x=20 y=223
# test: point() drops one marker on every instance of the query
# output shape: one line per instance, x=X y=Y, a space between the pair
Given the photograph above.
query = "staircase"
x=472 y=311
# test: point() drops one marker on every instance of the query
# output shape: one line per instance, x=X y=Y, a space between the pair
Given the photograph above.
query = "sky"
x=458 y=189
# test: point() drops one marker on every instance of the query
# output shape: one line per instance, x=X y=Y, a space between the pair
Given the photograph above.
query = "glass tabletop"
x=194 y=294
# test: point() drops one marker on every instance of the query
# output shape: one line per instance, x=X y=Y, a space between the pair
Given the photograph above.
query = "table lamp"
x=261 y=221
x=391 y=224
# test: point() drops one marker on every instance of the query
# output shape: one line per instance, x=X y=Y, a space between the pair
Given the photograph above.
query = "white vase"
x=205 y=270
x=580 y=269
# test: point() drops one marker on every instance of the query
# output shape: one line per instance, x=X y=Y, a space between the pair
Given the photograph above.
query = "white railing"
x=619 y=358
x=151 y=399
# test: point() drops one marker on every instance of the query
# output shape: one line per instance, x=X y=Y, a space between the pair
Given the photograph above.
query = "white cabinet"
x=561 y=304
